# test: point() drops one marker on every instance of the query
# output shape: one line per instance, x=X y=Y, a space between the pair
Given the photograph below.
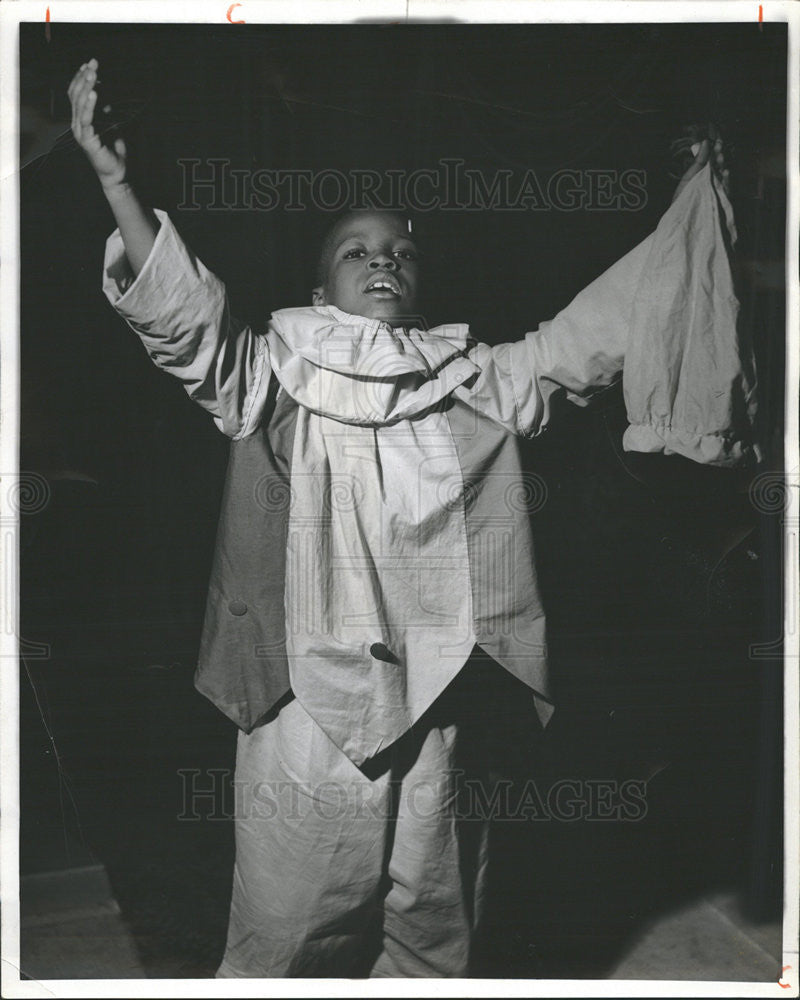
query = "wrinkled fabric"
x=361 y=371
x=180 y=312
x=376 y=556
x=689 y=377
x=377 y=549
x=345 y=873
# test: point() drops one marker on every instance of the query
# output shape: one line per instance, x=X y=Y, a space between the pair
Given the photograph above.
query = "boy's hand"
x=109 y=164
x=138 y=225
x=703 y=144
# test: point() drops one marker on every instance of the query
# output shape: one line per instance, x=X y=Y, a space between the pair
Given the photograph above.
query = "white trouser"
x=347 y=871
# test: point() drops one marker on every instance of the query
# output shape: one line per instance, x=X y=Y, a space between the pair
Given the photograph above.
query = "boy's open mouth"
x=384 y=285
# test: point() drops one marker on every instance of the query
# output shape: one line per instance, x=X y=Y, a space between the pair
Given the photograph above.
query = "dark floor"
x=73 y=929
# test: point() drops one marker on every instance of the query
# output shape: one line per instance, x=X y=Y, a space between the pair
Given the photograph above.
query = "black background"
x=659 y=574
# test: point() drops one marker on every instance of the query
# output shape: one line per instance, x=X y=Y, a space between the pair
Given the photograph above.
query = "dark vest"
x=243 y=665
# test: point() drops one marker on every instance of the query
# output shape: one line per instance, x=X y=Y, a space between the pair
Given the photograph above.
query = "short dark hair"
x=328 y=244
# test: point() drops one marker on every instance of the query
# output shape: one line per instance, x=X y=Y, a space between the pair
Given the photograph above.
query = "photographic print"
x=403 y=500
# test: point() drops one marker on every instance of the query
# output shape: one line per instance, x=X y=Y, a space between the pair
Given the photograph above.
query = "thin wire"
x=64 y=779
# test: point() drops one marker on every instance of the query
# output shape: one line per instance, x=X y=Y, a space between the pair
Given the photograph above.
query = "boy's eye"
x=353 y=254
x=406 y=254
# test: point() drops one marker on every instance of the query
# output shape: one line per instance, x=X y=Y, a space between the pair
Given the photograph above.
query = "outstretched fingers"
x=107 y=161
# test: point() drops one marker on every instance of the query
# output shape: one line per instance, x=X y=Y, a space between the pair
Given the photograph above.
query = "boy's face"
x=373 y=269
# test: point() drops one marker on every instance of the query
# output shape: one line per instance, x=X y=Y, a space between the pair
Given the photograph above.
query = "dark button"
x=237 y=608
x=381 y=652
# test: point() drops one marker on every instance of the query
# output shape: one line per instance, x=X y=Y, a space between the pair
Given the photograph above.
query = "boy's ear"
x=318 y=297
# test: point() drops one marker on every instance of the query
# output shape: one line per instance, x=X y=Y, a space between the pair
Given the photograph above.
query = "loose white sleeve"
x=179 y=309
x=689 y=377
x=667 y=314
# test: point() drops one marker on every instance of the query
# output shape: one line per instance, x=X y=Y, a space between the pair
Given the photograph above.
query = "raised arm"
x=137 y=225
x=666 y=313
x=178 y=308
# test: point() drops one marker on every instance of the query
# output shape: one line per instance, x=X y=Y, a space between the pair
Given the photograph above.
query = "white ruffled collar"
x=361 y=370
x=361 y=347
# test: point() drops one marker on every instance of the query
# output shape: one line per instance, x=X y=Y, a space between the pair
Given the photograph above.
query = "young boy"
x=373 y=614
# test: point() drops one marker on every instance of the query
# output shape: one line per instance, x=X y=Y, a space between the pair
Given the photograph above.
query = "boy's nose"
x=383 y=260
